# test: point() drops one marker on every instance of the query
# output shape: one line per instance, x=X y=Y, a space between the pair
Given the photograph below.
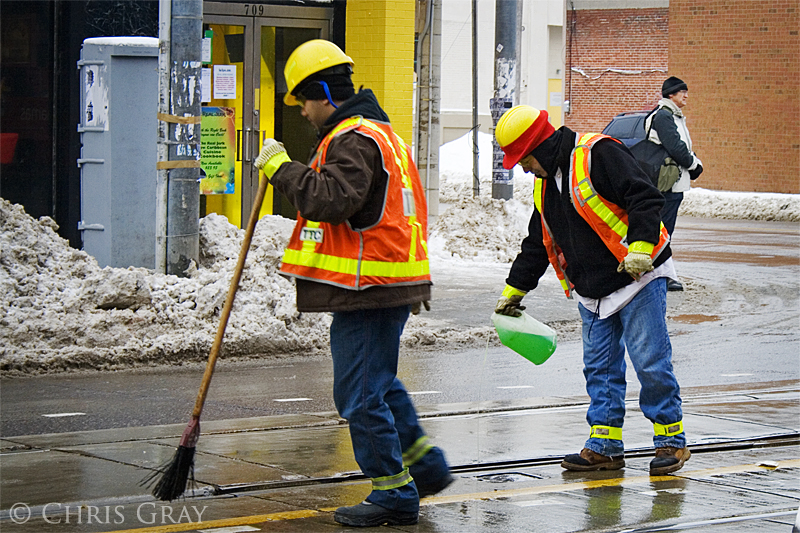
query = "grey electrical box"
x=119 y=103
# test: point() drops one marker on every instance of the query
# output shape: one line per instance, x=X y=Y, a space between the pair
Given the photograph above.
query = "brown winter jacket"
x=350 y=188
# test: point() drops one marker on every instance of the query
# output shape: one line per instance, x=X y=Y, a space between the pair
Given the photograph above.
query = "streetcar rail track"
x=767 y=441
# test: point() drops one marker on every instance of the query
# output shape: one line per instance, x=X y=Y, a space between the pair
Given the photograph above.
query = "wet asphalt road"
x=737 y=322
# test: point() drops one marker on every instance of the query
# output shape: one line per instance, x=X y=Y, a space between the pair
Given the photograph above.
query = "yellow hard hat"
x=521 y=129
x=307 y=59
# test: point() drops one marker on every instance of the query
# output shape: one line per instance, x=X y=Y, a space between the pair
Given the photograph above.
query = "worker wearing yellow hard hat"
x=519 y=131
x=320 y=68
x=597 y=221
x=359 y=251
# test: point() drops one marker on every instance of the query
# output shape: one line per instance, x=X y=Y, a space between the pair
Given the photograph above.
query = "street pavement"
x=89 y=481
x=289 y=471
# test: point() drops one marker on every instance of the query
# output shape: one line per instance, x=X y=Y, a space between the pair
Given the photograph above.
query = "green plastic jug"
x=527 y=336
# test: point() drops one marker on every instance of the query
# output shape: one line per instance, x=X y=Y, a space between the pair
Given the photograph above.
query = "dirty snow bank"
x=61 y=311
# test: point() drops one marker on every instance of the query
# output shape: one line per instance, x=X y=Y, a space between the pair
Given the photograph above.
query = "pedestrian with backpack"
x=666 y=126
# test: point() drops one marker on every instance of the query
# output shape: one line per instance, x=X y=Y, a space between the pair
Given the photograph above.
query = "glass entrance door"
x=249 y=46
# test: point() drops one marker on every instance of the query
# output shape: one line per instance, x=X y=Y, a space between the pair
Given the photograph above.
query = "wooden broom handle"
x=226 y=311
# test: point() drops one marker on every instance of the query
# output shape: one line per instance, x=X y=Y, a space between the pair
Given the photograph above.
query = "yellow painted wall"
x=554 y=85
x=380 y=39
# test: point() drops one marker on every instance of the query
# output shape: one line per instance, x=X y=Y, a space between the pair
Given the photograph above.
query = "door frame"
x=253 y=17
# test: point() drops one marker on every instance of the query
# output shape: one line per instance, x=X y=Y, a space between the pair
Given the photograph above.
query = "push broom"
x=175 y=474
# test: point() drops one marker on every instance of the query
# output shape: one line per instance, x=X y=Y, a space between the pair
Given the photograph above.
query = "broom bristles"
x=174 y=475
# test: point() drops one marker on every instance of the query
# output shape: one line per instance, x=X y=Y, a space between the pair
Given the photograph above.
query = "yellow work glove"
x=638 y=261
x=272 y=156
x=509 y=302
x=417 y=307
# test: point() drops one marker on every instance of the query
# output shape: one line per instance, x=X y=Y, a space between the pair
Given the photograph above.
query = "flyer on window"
x=218 y=150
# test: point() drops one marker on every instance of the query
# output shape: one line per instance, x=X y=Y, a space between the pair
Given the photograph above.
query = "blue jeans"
x=641 y=327
x=365 y=346
x=669 y=212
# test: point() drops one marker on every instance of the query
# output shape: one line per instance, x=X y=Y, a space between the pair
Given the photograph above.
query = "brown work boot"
x=588 y=461
x=668 y=459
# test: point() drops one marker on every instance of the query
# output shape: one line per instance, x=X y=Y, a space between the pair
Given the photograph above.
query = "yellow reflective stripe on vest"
x=401 y=160
x=391 y=482
x=586 y=193
x=343 y=265
x=606 y=432
x=565 y=285
x=310 y=258
x=669 y=430
x=349 y=123
x=417 y=451
x=537 y=194
x=309 y=246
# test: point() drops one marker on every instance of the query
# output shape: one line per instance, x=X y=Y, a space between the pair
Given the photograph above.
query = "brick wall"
x=616 y=60
x=741 y=61
x=380 y=39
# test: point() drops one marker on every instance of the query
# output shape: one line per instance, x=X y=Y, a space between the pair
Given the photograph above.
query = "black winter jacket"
x=349 y=189
x=670 y=139
x=591 y=266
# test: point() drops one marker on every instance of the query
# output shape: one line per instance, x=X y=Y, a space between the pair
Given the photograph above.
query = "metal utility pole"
x=429 y=51
x=476 y=180
x=178 y=202
x=508 y=14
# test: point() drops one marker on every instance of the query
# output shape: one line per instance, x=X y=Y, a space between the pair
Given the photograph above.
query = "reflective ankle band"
x=391 y=482
x=417 y=451
x=606 y=432
x=669 y=430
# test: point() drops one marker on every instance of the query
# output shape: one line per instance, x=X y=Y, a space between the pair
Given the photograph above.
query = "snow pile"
x=741 y=205
x=60 y=311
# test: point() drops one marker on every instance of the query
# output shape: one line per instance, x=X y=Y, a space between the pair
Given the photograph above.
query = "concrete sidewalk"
x=89 y=481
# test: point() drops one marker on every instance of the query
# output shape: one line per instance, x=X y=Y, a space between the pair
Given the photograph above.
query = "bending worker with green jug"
x=359 y=250
x=597 y=222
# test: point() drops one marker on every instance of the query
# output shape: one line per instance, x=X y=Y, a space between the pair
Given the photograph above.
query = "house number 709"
x=256 y=10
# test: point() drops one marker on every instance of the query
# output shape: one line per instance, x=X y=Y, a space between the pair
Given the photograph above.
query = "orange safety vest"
x=608 y=220
x=394 y=251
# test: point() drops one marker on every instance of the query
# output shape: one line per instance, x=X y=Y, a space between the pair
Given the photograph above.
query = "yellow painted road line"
x=458 y=498
x=225 y=522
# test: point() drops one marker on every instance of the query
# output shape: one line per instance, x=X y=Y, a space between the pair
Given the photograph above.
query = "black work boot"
x=589 y=461
x=429 y=487
x=367 y=514
x=668 y=459
x=674 y=285
x=431 y=473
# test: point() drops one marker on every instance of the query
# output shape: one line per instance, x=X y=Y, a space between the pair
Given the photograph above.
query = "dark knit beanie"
x=338 y=79
x=672 y=85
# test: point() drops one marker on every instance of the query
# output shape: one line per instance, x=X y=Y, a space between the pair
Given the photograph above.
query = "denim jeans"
x=669 y=213
x=641 y=327
x=365 y=346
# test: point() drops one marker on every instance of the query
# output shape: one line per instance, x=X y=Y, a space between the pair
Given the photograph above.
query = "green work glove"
x=272 y=156
x=509 y=302
x=638 y=261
